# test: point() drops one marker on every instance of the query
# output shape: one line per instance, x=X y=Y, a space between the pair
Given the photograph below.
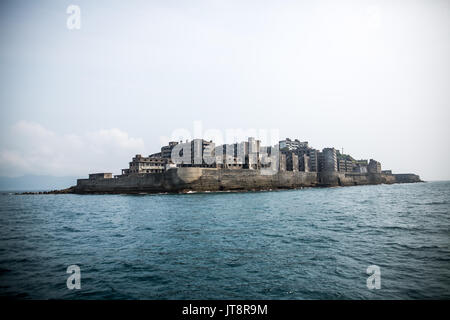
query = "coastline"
x=194 y=180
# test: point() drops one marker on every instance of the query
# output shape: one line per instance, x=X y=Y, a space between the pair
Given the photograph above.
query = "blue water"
x=296 y=244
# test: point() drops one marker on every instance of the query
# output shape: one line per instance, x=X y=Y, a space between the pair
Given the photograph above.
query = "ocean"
x=312 y=243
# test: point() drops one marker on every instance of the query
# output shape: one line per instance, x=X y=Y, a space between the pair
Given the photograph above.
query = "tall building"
x=253 y=153
x=282 y=162
x=374 y=166
x=304 y=163
x=295 y=156
x=234 y=155
x=292 y=162
x=166 y=151
x=313 y=164
x=200 y=150
x=328 y=160
x=345 y=165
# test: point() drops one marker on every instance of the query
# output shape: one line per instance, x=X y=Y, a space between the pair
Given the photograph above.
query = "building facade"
x=374 y=166
x=328 y=160
x=151 y=164
x=293 y=156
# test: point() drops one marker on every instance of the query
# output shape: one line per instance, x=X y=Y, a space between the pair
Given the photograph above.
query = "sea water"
x=312 y=243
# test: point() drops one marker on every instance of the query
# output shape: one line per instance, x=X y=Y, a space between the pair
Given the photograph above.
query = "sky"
x=372 y=77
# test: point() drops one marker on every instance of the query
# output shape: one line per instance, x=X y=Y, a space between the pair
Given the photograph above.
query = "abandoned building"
x=291 y=155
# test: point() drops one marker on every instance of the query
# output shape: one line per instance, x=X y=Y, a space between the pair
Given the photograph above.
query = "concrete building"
x=254 y=162
x=361 y=166
x=290 y=145
x=308 y=157
x=296 y=156
x=269 y=157
x=156 y=155
x=151 y=164
x=328 y=160
x=360 y=169
x=313 y=162
x=345 y=165
x=295 y=164
x=166 y=151
x=362 y=162
x=282 y=162
x=103 y=175
x=234 y=155
x=201 y=150
x=345 y=162
x=304 y=163
x=292 y=163
x=243 y=155
x=374 y=166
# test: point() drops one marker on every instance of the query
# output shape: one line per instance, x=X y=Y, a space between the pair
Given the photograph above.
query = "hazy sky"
x=372 y=77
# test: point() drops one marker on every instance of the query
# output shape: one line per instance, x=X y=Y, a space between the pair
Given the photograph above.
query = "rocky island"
x=200 y=166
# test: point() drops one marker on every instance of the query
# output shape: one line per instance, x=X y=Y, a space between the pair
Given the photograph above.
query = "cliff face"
x=208 y=179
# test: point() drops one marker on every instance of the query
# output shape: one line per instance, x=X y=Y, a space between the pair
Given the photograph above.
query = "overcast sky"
x=372 y=77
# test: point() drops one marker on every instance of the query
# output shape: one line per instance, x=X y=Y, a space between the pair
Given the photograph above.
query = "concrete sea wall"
x=211 y=179
x=330 y=179
x=406 y=178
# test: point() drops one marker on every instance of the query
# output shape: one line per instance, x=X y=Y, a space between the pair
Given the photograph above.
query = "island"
x=201 y=166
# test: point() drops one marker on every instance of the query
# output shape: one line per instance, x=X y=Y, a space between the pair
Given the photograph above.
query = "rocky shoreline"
x=62 y=191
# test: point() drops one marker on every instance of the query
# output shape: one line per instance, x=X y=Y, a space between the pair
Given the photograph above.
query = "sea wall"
x=244 y=179
x=330 y=179
x=197 y=179
x=406 y=178
x=211 y=179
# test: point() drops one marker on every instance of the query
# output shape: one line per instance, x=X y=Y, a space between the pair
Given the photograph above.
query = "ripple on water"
x=294 y=244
